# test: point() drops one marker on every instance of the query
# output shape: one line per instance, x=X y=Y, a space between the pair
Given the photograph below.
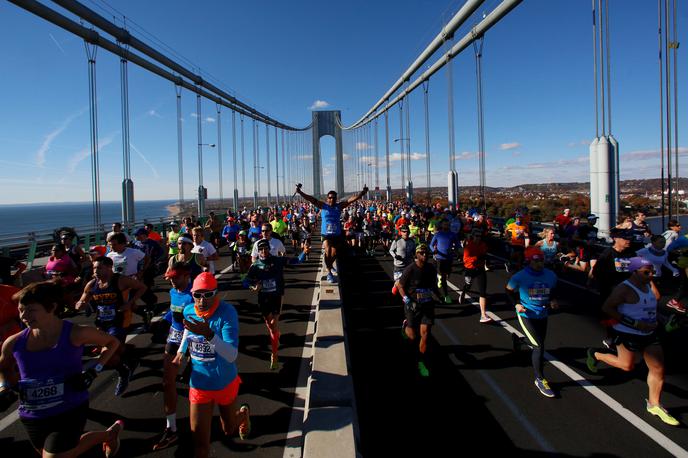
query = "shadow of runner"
x=399 y=412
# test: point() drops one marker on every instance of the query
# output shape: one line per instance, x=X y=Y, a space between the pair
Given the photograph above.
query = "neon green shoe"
x=662 y=413
x=672 y=324
x=447 y=299
x=591 y=362
x=422 y=368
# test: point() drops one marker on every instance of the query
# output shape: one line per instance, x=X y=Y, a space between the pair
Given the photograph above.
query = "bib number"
x=621 y=264
x=269 y=285
x=175 y=336
x=41 y=394
x=201 y=350
x=423 y=295
x=106 y=312
x=330 y=229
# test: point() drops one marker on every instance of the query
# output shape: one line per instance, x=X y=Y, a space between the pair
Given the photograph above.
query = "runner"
x=180 y=296
x=214 y=226
x=633 y=306
x=266 y=275
x=242 y=250
x=331 y=230
x=195 y=261
x=531 y=290
x=104 y=295
x=416 y=285
x=212 y=330
x=53 y=389
x=276 y=246
x=172 y=238
x=474 y=257
x=403 y=253
x=204 y=248
x=443 y=245
x=517 y=232
x=149 y=270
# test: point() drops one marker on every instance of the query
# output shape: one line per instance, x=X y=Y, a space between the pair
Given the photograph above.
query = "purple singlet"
x=42 y=388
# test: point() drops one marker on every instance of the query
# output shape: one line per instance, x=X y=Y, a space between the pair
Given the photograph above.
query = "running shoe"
x=462 y=296
x=112 y=447
x=447 y=299
x=672 y=324
x=331 y=278
x=591 y=361
x=543 y=385
x=168 y=438
x=608 y=343
x=485 y=319
x=423 y=370
x=676 y=305
x=245 y=426
x=662 y=413
x=123 y=381
x=274 y=363
x=507 y=267
x=516 y=342
x=403 y=329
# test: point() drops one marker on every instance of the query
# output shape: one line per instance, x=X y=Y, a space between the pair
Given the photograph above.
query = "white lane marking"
x=294 y=445
x=647 y=429
x=515 y=411
x=14 y=416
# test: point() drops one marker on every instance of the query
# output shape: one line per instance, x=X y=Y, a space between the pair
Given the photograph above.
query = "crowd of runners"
x=42 y=351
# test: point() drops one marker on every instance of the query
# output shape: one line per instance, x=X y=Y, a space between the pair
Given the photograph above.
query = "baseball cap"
x=422 y=247
x=179 y=268
x=403 y=228
x=637 y=263
x=205 y=280
x=534 y=254
x=243 y=233
x=97 y=249
x=263 y=244
x=592 y=216
x=174 y=224
x=616 y=233
x=140 y=231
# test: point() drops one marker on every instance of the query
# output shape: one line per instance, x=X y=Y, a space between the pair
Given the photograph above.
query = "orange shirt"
x=8 y=311
x=518 y=233
x=154 y=236
x=474 y=254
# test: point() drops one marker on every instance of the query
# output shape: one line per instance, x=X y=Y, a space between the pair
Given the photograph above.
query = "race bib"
x=175 y=336
x=269 y=285
x=177 y=308
x=539 y=292
x=330 y=229
x=106 y=312
x=200 y=349
x=241 y=250
x=173 y=244
x=423 y=295
x=41 y=394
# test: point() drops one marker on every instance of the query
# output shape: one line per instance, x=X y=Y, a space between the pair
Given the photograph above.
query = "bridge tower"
x=327 y=122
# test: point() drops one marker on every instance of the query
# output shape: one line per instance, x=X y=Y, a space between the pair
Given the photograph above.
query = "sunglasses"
x=647 y=273
x=205 y=295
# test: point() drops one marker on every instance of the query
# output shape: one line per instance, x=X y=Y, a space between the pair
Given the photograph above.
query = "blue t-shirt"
x=331 y=220
x=444 y=243
x=534 y=290
x=254 y=233
x=178 y=302
x=209 y=370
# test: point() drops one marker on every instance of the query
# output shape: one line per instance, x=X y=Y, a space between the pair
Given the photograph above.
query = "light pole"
x=202 y=192
x=409 y=183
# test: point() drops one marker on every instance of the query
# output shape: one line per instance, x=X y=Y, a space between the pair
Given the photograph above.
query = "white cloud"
x=303 y=156
x=194 y=115
x=650 y=154
x=466 y=155
x=145 y=160
x=48 y=140
x=414 y=156
x=363 y=146
x=80 y=155
x=346 y=157
x=153 y=113
x=319 y=104
x=209 y=119
x=508 y=146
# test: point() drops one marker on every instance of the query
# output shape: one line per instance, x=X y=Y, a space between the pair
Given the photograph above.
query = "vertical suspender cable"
x=478 y=50
x=377 y=161
x=127 y=184
x=277 y=192
x=594 y=69
x=594 y=189
x=601 y=56
x=450 y=114
x=389 y=186
x=219 y=151
x=91 y=51
x=255 y=166
x=667 y=66
x=674 y=47
x=180 y=158
x=401 y=145
x=235 y=198
x=201 y=194
x=409 y=181
x=243 y=159
x=267 y=159
x=661 y=105
x=426 y=87
x=284 y=169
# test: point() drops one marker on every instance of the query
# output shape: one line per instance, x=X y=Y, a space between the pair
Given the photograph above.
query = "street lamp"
x=202 y=192
x=409 y=183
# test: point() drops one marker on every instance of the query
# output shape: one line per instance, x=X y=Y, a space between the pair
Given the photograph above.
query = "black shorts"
x=444 y=266
x=333 y=240
x=476 y=279
x=59 y=433
x=114 y=328
x=270 y=304
x=634 y=342
x=417 y=314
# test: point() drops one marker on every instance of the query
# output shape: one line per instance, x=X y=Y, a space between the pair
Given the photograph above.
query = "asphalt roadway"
x=480 y=397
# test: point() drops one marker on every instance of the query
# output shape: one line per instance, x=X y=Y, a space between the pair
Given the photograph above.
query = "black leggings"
x=535 y=331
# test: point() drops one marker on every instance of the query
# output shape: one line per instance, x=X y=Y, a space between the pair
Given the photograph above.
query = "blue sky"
x=282 y=57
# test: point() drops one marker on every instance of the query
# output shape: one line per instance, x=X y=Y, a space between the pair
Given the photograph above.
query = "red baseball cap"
x=206 y=281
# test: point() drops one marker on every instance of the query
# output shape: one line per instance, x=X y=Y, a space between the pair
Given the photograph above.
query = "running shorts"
x=111 y=328
x=634 y=342
x=444 y=266
x=223 y=397
x=476 y=278
x=417 y=314
x=58 y=433
x=270 y=304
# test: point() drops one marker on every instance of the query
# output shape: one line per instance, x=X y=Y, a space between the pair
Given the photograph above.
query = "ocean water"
x=45 y=216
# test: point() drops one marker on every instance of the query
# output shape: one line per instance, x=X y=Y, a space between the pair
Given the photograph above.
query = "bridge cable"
x=377 y=161
x=243 y=156
x=426 y=87
x=128 y=216
x=277 y=191
x=409 y=181
x=401 y=144
x=199 y=129
x=284 y=168
x=91 y=52
x=180 y=157
x=235 y=194
x=219 y=150
x=674 y=46
x=661 y=106
x=450 y=115
x=267 y=159
x=478 y=52
x=389 y=186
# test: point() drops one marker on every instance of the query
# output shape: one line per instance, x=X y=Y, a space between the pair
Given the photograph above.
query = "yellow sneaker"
x=662 y=413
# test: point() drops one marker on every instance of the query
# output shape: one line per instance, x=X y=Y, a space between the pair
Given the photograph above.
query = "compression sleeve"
x=226 y=350
x=184 y=343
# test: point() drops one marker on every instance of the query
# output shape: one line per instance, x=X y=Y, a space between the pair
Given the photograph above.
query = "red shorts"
x=222 y=397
